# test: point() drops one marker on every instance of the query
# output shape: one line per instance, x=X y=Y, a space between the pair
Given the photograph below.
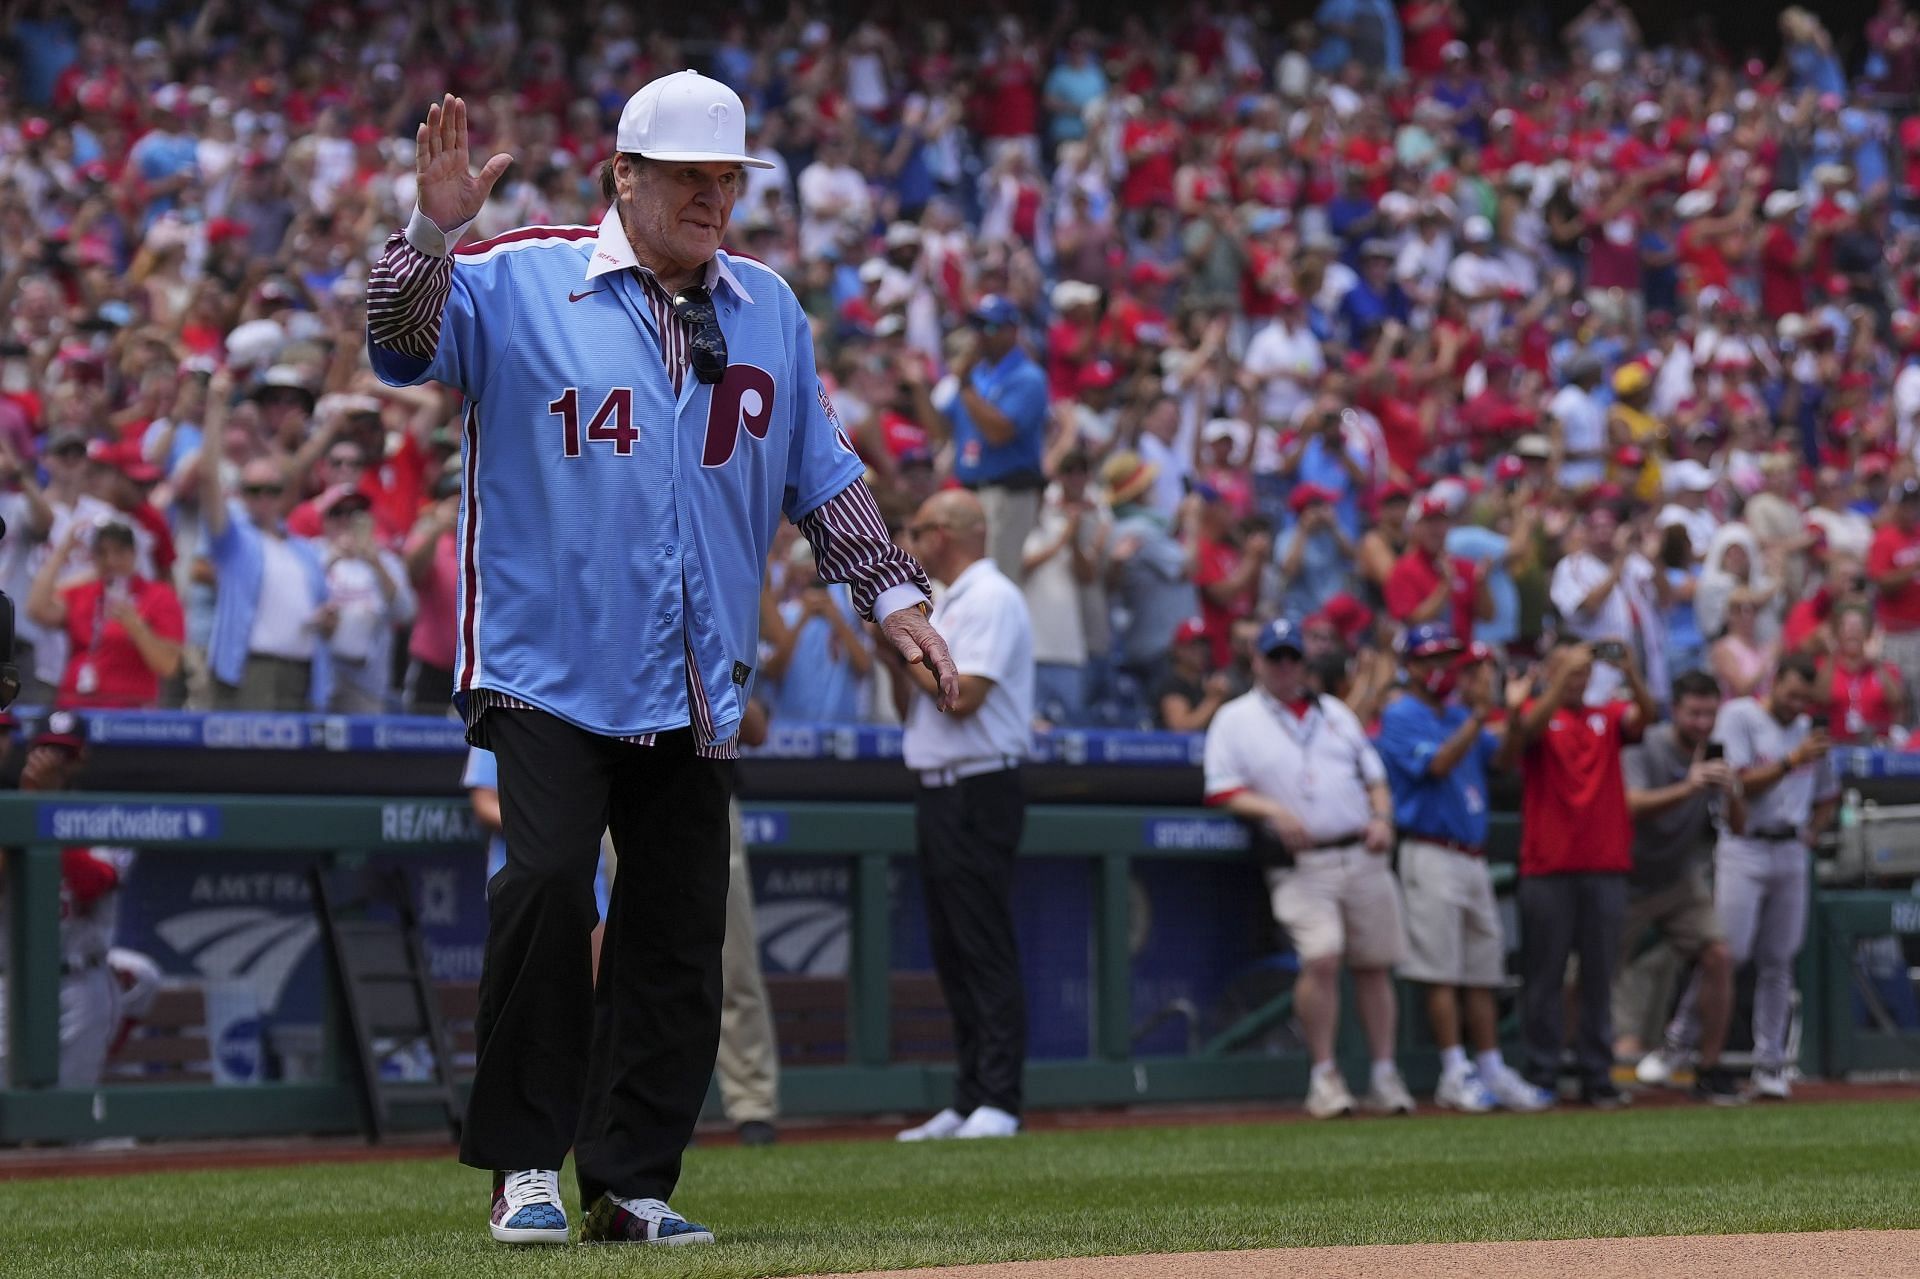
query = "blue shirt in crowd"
x=1453 y=807
x=1018 y=388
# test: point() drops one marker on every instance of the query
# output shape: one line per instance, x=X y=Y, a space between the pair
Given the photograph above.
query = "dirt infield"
x=1864 y=1254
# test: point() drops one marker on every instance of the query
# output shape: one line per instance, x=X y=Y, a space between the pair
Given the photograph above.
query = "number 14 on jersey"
x=611 y=423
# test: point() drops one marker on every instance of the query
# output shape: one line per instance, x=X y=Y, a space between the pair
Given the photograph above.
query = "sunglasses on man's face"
x=262 y=490
x=707 y=348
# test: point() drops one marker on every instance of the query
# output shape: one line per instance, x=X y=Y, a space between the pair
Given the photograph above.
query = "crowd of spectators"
x=1365 y=321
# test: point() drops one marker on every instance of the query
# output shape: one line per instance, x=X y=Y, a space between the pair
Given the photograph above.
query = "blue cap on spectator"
x=1430 y=639
x=1279 y=636
x=994 y=311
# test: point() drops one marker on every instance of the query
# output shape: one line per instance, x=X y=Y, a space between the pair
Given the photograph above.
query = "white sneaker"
x=939 y=1128
x=1389 y=1095
x=1328 y=1098
x=1511 y=1092
x=1657 y=1068
x=1771 y=1085
x=1463 y=1091
x=988 y=1121
x=527 y=1209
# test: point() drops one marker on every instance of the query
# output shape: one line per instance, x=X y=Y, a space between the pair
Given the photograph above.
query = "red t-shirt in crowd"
x=1573 y=798
x=1896 y=608
x=1783 y=287
x=120 y=677
x=1009 y=100
x=1413 y=578
x=1149 y=179
x=433 y=640
x=1860 y=709
x=1216 y=563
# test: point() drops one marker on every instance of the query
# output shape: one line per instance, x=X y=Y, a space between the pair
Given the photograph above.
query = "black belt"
x=1775 y=835
x=1342 y=841
x=1470 y=850
x=1014 y=481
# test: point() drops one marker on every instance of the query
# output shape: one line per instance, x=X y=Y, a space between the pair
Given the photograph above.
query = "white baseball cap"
x=1687 y=475
x=689 y=118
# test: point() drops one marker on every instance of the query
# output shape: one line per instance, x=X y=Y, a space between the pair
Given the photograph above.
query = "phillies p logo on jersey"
x=743 y=398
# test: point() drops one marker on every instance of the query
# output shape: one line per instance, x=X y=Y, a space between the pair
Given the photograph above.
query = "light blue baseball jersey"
x=609 y=526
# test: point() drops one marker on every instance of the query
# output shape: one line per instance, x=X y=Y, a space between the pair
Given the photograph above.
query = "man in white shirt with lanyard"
x=970 y=810
x=1299 y=770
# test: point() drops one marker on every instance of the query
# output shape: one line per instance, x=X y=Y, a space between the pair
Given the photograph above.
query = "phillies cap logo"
x=719 y=111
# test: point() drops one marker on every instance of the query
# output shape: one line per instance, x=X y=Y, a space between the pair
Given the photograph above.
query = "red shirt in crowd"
x=1783 y=288
x=1415 y=576
x=1573 y=798
x=104 y=666
x=1150 y=148
x=1896 y=608
x=1216 y=563
x=1860 y=708
x=1008 y=104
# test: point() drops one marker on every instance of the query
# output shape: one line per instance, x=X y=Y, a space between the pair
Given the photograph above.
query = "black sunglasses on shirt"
x=707 y=348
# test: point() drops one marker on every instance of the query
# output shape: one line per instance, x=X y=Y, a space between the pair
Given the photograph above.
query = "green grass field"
x=807 y=1208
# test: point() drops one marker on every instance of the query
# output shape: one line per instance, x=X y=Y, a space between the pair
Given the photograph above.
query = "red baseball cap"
x=1188 y=631
x=1629 y=455
x=1098 y=374
x=1508 y=467
x=1349 y=616
x=1392 y=491
x=1305 y=495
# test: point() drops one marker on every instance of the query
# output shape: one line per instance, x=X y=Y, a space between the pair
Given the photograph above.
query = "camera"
x=1609 y=651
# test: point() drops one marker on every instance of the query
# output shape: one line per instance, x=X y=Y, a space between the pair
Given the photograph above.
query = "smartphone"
x=1609 y=651
x=1820 y=724
x=1715 y=751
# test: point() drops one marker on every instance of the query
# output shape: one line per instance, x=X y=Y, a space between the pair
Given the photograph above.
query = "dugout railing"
x=339 y=832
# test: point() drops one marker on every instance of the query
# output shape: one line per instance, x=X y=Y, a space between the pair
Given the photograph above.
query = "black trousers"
x=616 y=1072
x=967 y=835
x=1562 y=915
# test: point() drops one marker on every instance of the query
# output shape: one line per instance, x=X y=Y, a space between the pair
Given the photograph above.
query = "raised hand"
x=448 y=193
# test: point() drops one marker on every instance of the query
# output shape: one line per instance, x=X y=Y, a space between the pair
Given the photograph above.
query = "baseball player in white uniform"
x=90 y=994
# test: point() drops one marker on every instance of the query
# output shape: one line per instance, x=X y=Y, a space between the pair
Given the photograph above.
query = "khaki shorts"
x=1341 y=902
x=1683 y=913
x=1453 y=925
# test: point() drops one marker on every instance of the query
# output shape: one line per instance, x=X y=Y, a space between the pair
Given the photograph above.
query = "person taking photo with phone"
x=1681 y=792
x=1782 y=755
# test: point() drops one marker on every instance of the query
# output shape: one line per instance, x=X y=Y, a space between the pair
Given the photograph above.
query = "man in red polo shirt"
x=1893 y=564
x=1576 y=850
x=1428 y=585
x=123 y=632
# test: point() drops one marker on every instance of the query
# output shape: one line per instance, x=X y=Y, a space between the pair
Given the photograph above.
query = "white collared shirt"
x=983 y=617
x=1319 y=767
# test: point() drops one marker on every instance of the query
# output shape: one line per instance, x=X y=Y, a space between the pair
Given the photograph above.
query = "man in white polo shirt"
x=970 y=809
x=1298 y=768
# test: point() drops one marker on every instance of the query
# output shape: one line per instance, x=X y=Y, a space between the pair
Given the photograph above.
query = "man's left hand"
x=909 y=632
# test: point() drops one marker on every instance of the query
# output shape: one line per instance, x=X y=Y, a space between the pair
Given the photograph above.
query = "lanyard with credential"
x=1302 y=731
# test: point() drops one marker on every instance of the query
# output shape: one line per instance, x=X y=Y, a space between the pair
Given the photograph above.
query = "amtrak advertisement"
x=243 y=924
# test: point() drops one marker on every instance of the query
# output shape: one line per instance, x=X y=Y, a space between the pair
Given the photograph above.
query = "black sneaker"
x=1602 y=1095
x=758 y=1132
x=1716 y=1086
